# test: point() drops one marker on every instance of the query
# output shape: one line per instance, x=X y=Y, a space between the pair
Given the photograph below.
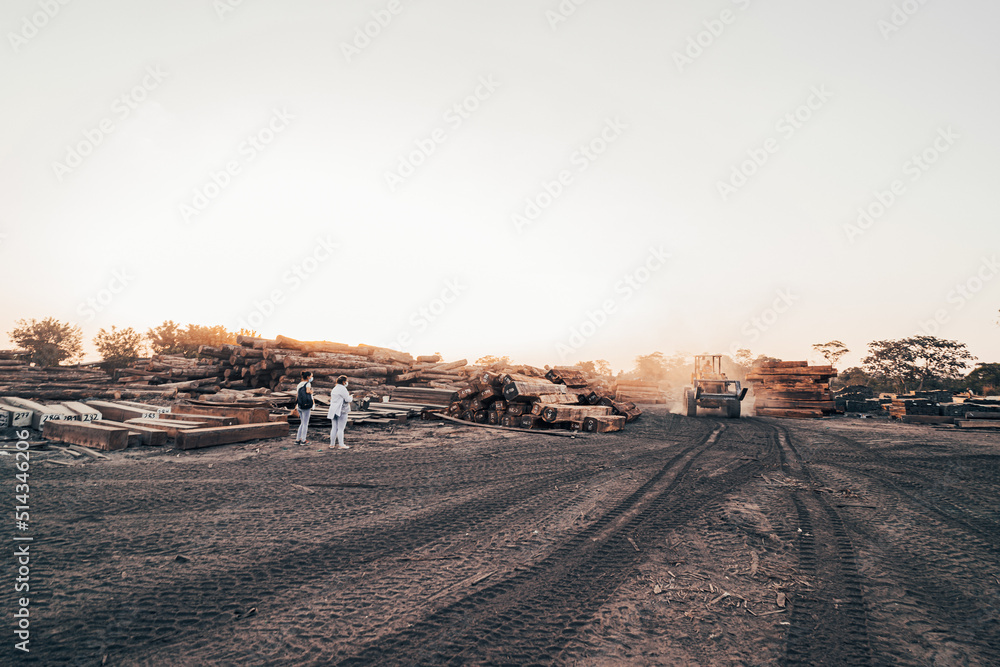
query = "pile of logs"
x=19 y=378
x=639 y=392
x=264 y=365
x=792 y=389
x=533 y=399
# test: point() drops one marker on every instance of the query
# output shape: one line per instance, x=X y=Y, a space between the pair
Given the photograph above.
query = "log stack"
x=527 y=397
x=792 y=389
x=278 y=365
x=19 y=378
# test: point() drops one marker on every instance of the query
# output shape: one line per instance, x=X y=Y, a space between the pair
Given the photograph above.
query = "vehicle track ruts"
x=151 y=608
x=536 y=615
x=828 y=622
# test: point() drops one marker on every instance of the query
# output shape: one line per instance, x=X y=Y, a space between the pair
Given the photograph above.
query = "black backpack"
x=305 y=399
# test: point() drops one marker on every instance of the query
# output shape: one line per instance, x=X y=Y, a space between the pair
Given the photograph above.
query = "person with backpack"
x=304 y=403
x=340 y=406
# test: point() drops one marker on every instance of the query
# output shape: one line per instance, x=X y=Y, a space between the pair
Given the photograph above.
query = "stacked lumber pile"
x=903 y=406
x=533 y=399
x=792 y=389
x=859 y=398
x=639 y=392
x=110 y=425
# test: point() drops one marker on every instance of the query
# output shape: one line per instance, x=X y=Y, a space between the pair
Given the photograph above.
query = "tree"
x=48 y=342
x=984 y=379
x=602 y=367
x=166 y=338
x=743 y=357
x=490 y=361
x=854 y=376
x=916 y=360
x=170 y=338
x=651 y=367
x=119 y=347
x=831 y=351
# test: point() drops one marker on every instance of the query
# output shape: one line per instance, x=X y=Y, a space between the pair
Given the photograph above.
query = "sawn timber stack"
x=792 y=389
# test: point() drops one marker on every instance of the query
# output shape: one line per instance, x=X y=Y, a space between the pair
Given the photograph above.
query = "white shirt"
x=340 y=402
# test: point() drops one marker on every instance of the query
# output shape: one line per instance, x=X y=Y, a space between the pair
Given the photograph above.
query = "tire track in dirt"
x=536 y=615
x=180 y=594
x=828 y=624
x=945 y=565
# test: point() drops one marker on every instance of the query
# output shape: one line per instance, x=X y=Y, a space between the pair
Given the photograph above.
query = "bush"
x=48 y=342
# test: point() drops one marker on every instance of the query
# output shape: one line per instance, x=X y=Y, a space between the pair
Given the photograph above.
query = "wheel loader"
x=711 y=389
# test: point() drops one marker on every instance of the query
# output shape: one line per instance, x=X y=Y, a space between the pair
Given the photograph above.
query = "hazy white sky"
x=551 y=181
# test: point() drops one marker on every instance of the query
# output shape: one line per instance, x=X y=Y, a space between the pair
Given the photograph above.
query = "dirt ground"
x=678 y=542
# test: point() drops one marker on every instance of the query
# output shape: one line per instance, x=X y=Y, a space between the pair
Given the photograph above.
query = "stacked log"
x=20 y=379
x=530 y=398
x=174 y=373
x=639 y=392
x=792 y=389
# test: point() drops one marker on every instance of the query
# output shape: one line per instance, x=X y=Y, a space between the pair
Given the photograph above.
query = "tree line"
x=50 y=342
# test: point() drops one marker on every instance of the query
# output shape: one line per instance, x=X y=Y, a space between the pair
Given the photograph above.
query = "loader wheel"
x=691 y=403
x=733 y=409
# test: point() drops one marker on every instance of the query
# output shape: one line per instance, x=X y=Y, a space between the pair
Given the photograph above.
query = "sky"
x=552 y=181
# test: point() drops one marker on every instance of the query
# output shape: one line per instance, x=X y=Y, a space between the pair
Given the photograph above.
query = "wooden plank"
x=85 y=412
x=224 y=435
x=926 y=419
x=17 y=416
x=243 y=415
x=158 y=409
x=39 y=413
x=171 y=427
x=212 y=420
x=88 y=434
x=151 y=437
x=562 y=413
x=983 y=424
x=120 y=413
x=982 y=415
x=607 y=424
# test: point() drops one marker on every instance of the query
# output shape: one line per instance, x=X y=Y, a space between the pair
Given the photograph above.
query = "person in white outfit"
x=340 y=406
x=304 y=402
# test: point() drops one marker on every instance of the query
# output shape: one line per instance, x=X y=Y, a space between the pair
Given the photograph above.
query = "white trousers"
x=339 y=423
x=303 y=431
